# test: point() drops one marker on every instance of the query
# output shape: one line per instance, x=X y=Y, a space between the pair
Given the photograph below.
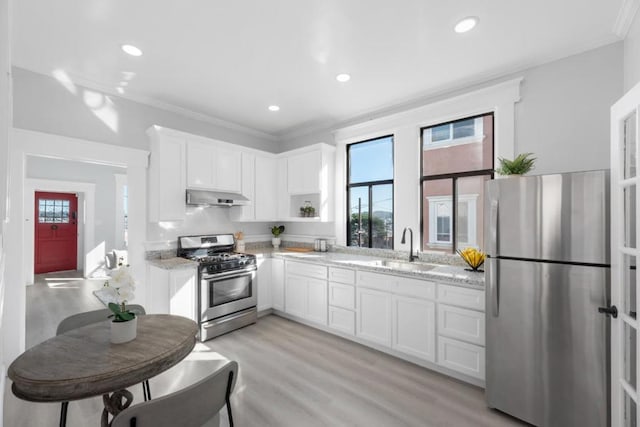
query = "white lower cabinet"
x=306 y=291
x=460 y=323
x=462 y=357
x=461 y=330
x=277 y=284
x=263 y=278
x=342 y=320
x=421 y=320
x=183 y=293
x=173 y=291
x=373 y=318
x=317 y=301
x=296 y=292
x=341 y=295
x=414 y=327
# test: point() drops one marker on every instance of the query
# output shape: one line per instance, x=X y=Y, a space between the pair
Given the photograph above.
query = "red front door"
x=56 y=232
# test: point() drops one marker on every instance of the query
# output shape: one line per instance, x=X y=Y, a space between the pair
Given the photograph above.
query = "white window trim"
x=478 y=136
x=471 y=200
x=120 y=241
x=405 y=125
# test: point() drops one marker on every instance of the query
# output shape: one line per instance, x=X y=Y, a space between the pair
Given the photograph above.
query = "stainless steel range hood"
x=215 y=198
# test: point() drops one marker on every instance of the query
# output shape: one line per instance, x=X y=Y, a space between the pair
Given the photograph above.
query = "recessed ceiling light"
x=343 y=77
x=131 y=50
x=120 y=90
x=124 y=83
x=466 y=24
x=274 y=108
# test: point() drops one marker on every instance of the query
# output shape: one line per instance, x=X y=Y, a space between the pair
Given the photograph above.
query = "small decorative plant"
x=522 y=164
x=473 y=257
x=121 y=287
x=277 y=230
x=307 y=211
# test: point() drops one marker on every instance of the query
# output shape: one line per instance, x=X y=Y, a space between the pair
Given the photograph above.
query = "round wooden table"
x=84 y=363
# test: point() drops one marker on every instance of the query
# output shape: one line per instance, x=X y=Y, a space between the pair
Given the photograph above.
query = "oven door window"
x=231 y=289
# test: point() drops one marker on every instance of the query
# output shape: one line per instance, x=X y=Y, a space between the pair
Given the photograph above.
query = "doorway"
x=56 y=232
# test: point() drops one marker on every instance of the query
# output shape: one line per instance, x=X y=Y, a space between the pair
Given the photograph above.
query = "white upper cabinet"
x=247 y=212
x=228 y=167
x=213 y=165
x=200 y=157
x=309 y=181
x=278 y=185
x=167 y=177
x=303 y=172
x=266 y=180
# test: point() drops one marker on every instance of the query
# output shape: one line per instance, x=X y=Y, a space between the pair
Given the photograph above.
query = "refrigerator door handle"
x=493 y=221
x=494 y=287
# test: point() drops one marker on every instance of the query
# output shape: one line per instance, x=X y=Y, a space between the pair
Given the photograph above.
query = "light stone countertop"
x=448 y=274
x=174 y=263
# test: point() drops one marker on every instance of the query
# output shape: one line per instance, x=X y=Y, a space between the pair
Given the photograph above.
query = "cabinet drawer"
x=342 y=320
x=307 y=270
x=416 y=288
x=341 y=295
x=462 y=297
x=462 y=357
x=381 y=282
x=342 y=275
x=460 y=323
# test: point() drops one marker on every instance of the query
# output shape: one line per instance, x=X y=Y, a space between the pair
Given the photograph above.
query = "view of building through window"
x=370 y=193
x=52 y=211
x=457 y=159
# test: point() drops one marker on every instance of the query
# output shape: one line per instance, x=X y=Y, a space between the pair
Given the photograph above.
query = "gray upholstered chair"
x=87 y=318
x=190 y=407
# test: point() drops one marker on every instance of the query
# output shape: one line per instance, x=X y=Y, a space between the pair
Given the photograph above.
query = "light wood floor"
x=290 y=375
x=54 y=296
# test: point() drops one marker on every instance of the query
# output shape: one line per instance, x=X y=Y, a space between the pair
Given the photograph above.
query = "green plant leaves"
x=277 y=230
x=121 y=314
x=522 y=164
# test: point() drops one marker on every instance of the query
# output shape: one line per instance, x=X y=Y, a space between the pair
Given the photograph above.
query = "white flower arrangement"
x=120 y=287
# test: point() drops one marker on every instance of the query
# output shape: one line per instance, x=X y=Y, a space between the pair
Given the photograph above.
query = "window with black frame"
x=370 y=193
x=457 y=159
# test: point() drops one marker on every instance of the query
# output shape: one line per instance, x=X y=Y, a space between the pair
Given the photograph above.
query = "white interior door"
x=624 y=254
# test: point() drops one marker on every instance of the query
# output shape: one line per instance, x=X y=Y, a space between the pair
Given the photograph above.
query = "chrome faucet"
x=403 y=241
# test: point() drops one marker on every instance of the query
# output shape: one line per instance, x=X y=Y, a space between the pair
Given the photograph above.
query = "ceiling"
x=232 y=59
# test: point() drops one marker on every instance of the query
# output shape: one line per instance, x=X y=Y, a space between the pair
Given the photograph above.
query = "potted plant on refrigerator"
x=276 y=230
x=522 y=164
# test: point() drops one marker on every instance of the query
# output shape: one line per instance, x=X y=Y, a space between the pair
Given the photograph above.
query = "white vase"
x=122 y=332
x=240 y=247
x=275 y=242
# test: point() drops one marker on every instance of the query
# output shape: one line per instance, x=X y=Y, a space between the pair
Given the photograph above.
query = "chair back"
x=189 y=407
x=87 y=318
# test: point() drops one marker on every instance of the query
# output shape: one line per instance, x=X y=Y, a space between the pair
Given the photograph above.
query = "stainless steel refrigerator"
x=548 y=273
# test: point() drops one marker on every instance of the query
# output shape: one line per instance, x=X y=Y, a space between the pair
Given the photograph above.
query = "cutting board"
x=294 y=249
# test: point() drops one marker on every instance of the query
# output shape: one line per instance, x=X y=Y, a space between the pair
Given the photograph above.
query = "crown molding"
x=627 y=13
x=457 y=88
x=152 y=102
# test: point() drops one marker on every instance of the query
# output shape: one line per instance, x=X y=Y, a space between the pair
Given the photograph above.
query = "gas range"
x=214 y=253
x=219 y=262
x=227 y=296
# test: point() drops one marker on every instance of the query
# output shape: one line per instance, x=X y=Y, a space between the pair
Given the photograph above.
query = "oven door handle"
x=226 y=274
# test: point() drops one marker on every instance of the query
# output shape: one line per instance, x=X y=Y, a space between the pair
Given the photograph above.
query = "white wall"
x=5 y=121
x=100 y=175
x=43 y=103
x=563 y=116
x=199 y=220
x=564 y=108
x=632 y=54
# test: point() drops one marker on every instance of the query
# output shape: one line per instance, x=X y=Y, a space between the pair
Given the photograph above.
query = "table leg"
x=114 y=404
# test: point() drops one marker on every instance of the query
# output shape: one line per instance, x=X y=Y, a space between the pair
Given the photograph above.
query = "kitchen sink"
x=405 y=266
